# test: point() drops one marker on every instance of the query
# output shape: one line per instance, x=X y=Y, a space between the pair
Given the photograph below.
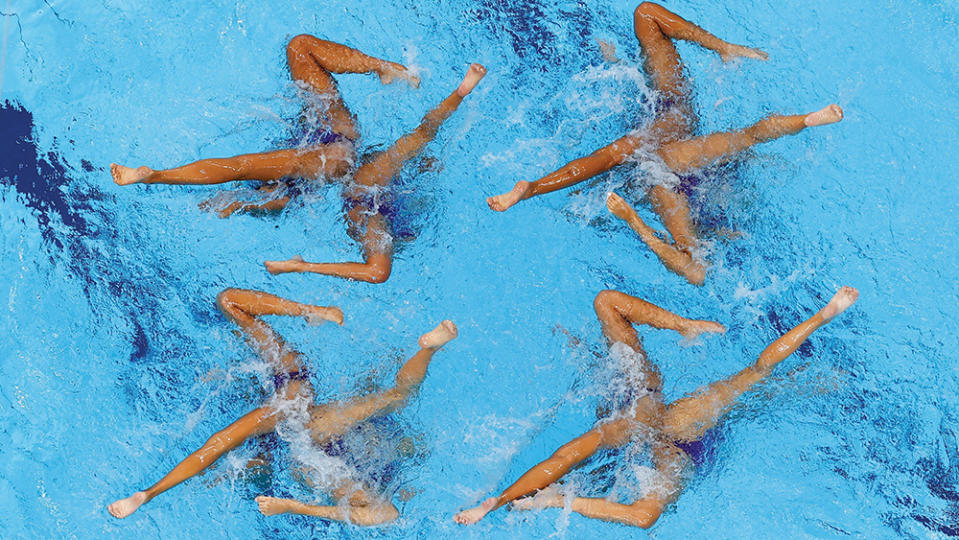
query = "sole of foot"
x=741 y=51
x=473 y=515
x=474 y=75
x=399 y=72
x=445 y=332
x=283 y=267
x=322 y=315
x=270 y=506
x=843 y=299
x=504 y=202
x=124 y=507
x=695 y=329
x=127 y=175
x=825 y=116
x=618 y=206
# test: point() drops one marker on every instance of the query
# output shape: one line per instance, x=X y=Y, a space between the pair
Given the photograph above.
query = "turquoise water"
x=116 y=365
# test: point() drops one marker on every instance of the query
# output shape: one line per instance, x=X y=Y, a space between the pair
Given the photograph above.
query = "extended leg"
x=335 y=419
x=267 y=166
x=643 y=513
x=687 y=419
x=570 y=174
x=258 y=422
x=698 y=152
x=610 y=434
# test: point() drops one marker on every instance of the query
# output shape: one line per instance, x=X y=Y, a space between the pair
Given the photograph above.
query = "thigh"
x=675 y=117
x=328 y=103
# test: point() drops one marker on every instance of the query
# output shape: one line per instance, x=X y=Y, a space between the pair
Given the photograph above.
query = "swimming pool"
x=116 y=364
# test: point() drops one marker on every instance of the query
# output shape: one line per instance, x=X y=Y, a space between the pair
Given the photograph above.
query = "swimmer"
x=679 y=431
x=330 y=152
x=327 y=422
x=369 y=203
x=672 y=136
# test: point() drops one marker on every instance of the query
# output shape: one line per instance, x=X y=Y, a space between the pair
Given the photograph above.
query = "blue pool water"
x=115 y=364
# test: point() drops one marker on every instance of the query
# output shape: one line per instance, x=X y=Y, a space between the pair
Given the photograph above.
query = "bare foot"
x=473 y=76
x=608 y=50
x=844 y=298
x=124 y=507
x=733 y=51
x=127 y=175
x=394 y=72
x=445 y=332
x=471 y=516
x=549 y=497
x=271 y=506
x=825 y=116
x=619 y=207
x=282 y=267
x=693 y=329
x=320 y=314
x=504 y=202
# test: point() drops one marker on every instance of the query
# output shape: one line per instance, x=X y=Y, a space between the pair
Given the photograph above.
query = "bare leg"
x=687 y=419
x=674 y=209
x=242 y=307
x=328 y=160
x=258 y=422
x=570 y=174
x=335 y=419
x=698 y=152
x=366 y=515
x=312 y=60
x=373 y=230
x=643 y=513
x=356 y=505
x=546 y=473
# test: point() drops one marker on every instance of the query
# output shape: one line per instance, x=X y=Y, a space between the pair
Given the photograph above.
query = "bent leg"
x=377 y=247
x=258 y=422
x=360 y=508
x=335 y=419
x=655 y=28
x=682 y=156
x=311 y=61
x=673 y=209
x=244 y=307
x=687 y=419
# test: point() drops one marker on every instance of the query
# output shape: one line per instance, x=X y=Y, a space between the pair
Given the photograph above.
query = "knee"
x=374 y=515
x=225 y=299
x=299 y=44
x=641 y=516
x=647 y=9
x=605 y=301
x=380 y=272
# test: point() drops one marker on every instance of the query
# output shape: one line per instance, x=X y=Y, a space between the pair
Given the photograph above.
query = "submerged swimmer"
x=327 y=422
x=672 y=137
x=680 y=431
x=330 y=153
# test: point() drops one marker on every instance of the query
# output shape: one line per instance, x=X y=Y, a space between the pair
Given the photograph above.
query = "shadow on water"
x=70 y=220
